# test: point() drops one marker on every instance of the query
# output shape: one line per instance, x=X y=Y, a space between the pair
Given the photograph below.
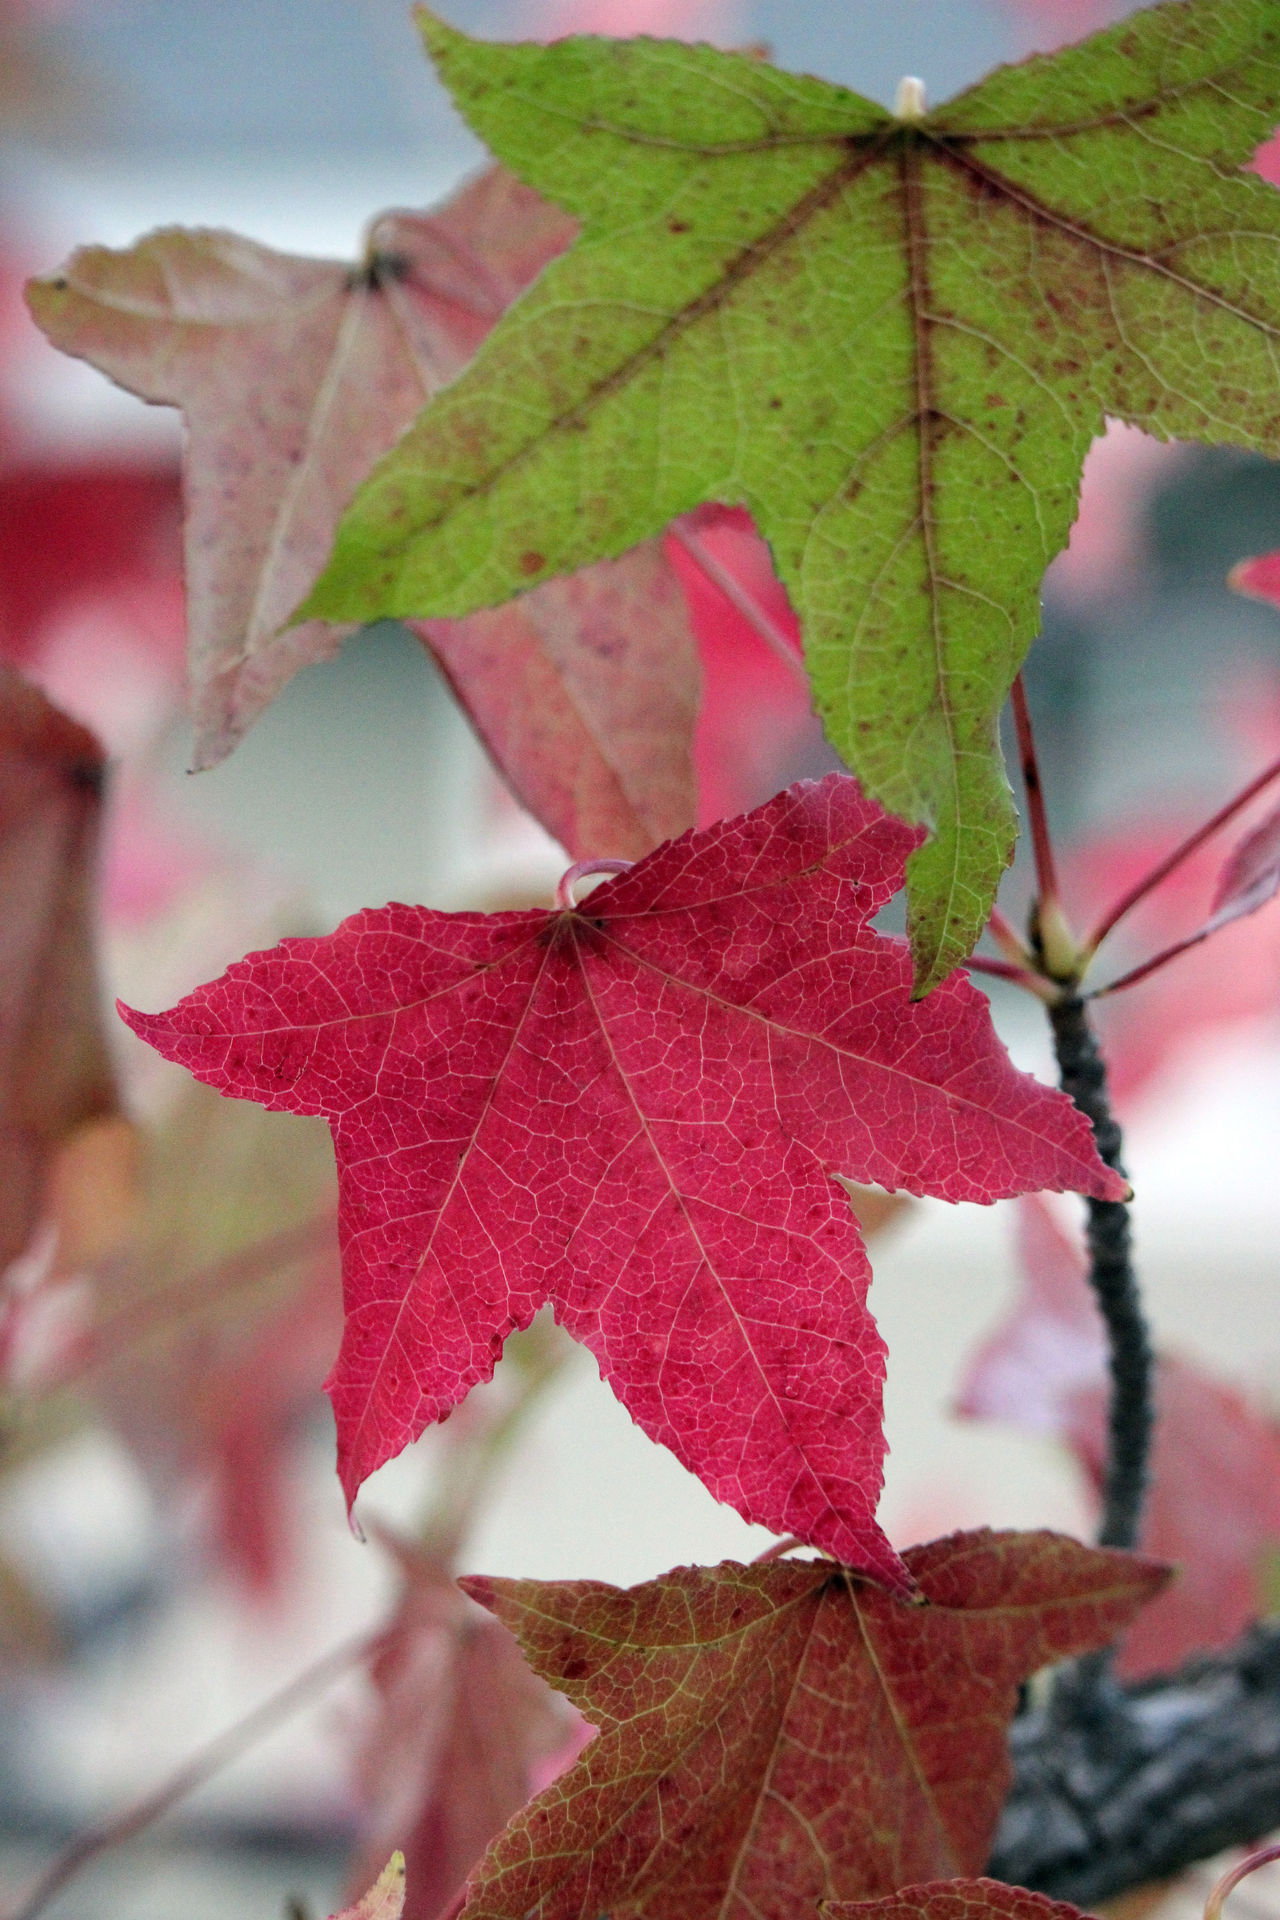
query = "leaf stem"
x=1172 y=861
x=1083 y=1076
x=1024 y=977
x=1157 y=960
x=1233 y=1876
x=202 y=1767
x=582 y=870
x=1046 y=873
x=738 y=597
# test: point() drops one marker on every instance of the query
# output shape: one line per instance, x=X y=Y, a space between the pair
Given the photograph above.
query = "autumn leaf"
x=955 y=1900
x=891 y=338
x=461 y=1729
x=1251 y=875
x=775 y=1734
x=1213 y=1507
x=55 y=1072
x=385 y=1898
x=632 y=1108
x=756 y=731
x=294 y=376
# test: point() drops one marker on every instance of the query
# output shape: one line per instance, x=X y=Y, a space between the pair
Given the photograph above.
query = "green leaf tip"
x=892 y=341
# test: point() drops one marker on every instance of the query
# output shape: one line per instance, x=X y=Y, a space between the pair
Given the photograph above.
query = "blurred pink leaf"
x=1214 y=1502
x=55 y=1071
x=464 y=1733
x=1052 y=1345
x=757 y=731
x=295 y=375
x=1251 y=875
x=717 y=20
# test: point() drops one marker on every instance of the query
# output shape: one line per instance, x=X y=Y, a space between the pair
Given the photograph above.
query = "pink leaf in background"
x=1251 y=875
x=586 y=694
x=55 y=1070
x=1053 y=1344
x=462 y=1731
x=295 y=375
x=756 y=729
x=717 y=20
x=1214 y=1502
x=642 y=1100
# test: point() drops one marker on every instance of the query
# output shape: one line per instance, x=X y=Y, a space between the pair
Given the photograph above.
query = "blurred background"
x=173 y=1545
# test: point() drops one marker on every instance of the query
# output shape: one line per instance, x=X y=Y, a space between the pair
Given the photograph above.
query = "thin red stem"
x=738 y=597
x=1008 y=939
x=1182 y=852
x=1046 y=873
x=1020 y=976
x=1157 y=960
x=202 y=1767
x=776 y=1551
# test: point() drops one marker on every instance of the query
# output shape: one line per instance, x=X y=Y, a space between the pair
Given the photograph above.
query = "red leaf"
x=955 y=1900
x=774 y=1734
x=633 y=1109
x=55 y=1072
x=1213 y=1507
x=757 y=731
x=462 y=1730
x=295 y=376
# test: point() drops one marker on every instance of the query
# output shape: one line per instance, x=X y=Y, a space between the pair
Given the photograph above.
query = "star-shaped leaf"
x=294 y=376
x=778 y=1734
x=634 y=1108
x=892 y=339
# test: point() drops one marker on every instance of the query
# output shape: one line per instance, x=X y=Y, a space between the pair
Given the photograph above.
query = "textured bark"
x=1140 y=1782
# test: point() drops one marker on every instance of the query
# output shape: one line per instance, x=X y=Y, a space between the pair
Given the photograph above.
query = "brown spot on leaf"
x=531 y=562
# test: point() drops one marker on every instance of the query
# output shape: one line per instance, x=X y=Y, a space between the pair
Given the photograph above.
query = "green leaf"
x=892 y=340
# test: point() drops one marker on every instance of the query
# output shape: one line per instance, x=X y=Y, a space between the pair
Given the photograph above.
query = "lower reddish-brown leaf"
x=634 y=1109
x=787 y=1732
x=955 y=1900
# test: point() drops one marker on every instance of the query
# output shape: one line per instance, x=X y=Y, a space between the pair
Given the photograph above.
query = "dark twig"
x=1083 y=1077
x=1198 y=1769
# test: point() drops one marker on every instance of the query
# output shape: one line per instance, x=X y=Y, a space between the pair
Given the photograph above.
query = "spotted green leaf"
x=891 y=338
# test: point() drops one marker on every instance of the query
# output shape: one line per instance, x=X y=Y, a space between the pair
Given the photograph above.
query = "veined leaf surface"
x=891 y=339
